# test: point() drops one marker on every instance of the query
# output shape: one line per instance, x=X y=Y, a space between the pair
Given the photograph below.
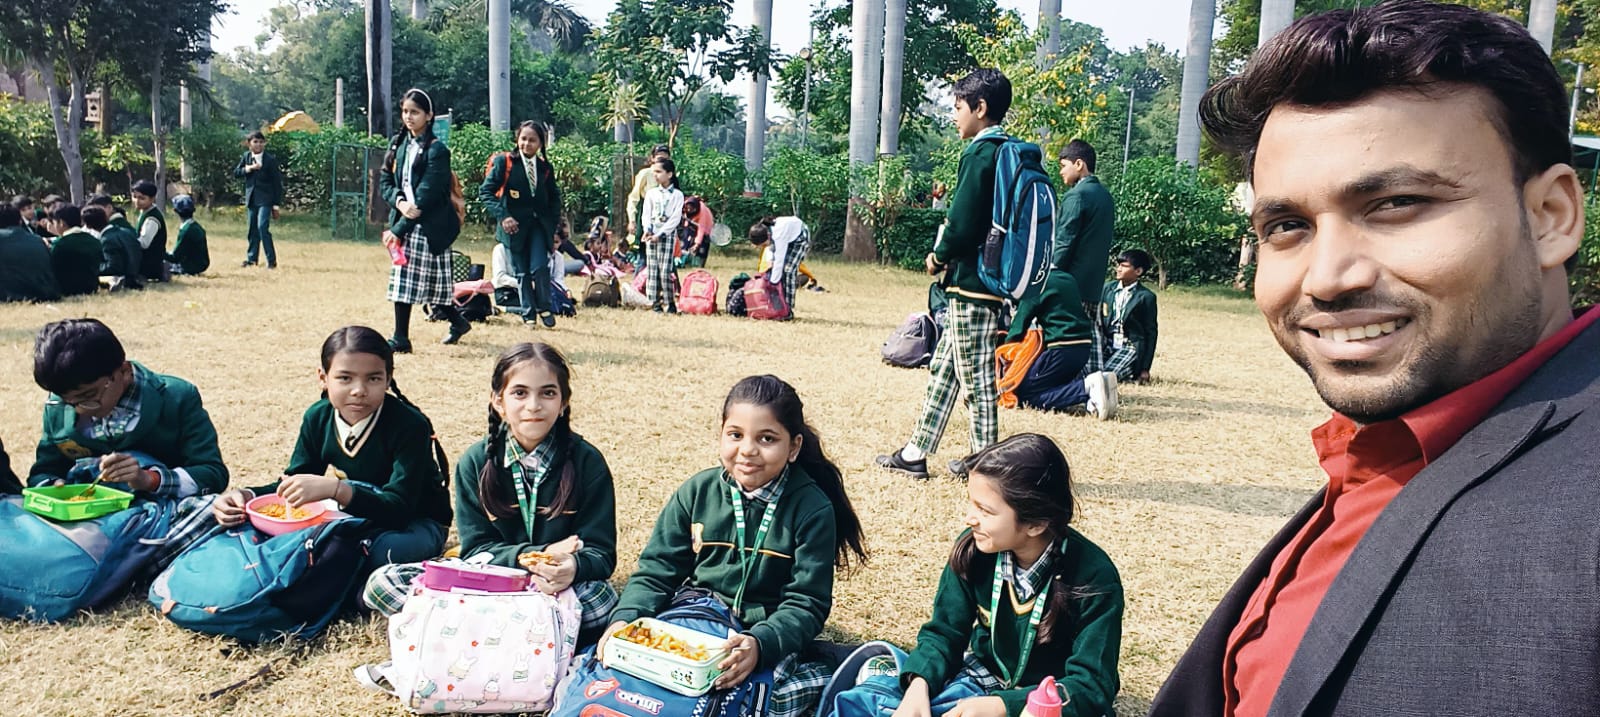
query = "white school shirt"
x=412 y=149
x=784 y=231
x=500 y=268
x=663 y=212
x=361 y=431
x=147 y=231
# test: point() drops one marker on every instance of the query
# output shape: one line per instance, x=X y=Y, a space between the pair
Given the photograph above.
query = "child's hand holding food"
x=743 y=654
x=554 y=574
x=300 y=489
x=229 y=507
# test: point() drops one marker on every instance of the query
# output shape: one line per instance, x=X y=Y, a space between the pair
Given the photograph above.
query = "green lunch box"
x=52 y=502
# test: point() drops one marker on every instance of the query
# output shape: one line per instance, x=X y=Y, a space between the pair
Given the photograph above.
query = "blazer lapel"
x=1195 y=685
x=1547 y=399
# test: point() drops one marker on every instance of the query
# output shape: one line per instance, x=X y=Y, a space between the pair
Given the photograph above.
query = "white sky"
x=1127 y=23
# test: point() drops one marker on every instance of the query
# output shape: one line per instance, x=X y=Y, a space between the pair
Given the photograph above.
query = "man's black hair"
x=1137 y=258
x=9 y=216
x=990 y=86
x=72 y=353
x=1078 y=149
x=145 y=187
x=68 y=214
x=21 y=201
x=95 y=217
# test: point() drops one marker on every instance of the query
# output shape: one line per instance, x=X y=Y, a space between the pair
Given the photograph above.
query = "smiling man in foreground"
x=1418 y=214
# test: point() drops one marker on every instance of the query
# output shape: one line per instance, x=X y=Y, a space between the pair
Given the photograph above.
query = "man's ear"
x=1554 y=206
x=981 y=110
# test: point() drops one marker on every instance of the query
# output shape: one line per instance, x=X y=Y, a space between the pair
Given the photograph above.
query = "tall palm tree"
x=1196 y=65
x=380 y=59
x=865 y=78
x=566 y=26
x=894 y=60
x=1542 y=22
x=1275 y=16
x=755 y=121
x=1050 y=22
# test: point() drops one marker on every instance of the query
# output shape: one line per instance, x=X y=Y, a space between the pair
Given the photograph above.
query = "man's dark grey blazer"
x=1475 y=592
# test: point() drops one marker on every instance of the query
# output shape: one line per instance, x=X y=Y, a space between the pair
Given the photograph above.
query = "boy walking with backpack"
x=964 y=356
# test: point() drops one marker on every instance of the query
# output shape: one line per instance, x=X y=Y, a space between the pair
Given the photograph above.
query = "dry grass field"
x=1200 y=468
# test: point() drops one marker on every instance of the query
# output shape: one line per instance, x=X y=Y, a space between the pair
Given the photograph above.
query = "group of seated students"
x=52 y=248
x=533 y=483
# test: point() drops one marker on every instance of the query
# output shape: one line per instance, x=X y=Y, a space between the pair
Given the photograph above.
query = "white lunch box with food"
x=676 y=658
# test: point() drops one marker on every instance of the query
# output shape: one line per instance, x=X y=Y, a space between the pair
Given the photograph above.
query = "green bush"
x=1185 y=222
x=32 y=162
x=211 y=150
x=907 y=241
x=1585 y=277
x=717 y=177
x=743 y=211
x=307 y=161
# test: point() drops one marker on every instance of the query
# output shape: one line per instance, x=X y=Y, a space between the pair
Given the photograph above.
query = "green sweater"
x=120 y=252
x=1059 y=311
x=75 y=257
x=1085 y=230
x=1082 y=656
x=190 y=251
x=790 y=592
x=967 y=223
x=593 y=519
x=396 y=457
x=173 y=428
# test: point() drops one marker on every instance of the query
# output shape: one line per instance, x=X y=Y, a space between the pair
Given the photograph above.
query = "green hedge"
x=906 y=243
x=1585 y=278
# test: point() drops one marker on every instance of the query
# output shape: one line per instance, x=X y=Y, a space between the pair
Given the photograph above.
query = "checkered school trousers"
x=797 y=685
x=659 y=284
x=1097 y=338
x=963 y=358
x=389 y=586
x=1120 y=361
x=192 y=523
x=792 y=258
x=426 y=278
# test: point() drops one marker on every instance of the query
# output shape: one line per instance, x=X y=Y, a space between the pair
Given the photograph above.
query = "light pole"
x=1127 y=137
x=805 y=105
x=1572 y=112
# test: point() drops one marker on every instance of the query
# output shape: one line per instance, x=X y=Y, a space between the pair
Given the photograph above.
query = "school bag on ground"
x=601 y=291
x=736 y=294
x=593 y=690
x=1016 y=253
x=477 y=652
x=911 y=344
x=763 y=299
x=53 y=569
x=699 y=293
x=867 y=684
x=254 y=587
x=561 y=303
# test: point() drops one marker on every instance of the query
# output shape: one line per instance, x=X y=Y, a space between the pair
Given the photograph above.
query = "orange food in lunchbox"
x=658 y=640
x=282 y=511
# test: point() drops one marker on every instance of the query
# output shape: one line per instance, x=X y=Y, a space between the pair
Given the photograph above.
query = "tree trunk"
x=500 y=64
x=1247 y=256
x=894 y=56
x=419 y=10
x=379 y=63
x=1275 y=16
x=755 y=121
x=1050 y=21
x=865 y=75
x=68 y=122
x=158 y=136
x=1196 y=69
x=1161 y=274
x=1542 y=22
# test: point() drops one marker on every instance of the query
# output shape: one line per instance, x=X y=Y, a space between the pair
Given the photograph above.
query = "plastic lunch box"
x=457 y=575
x=679 y=674
x=51 y=502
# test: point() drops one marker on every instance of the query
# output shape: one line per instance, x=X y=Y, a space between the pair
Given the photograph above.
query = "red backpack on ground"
x=699 y=294
x=763 y=299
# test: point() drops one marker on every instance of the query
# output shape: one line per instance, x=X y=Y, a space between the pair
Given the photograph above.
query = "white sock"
x=912 y=453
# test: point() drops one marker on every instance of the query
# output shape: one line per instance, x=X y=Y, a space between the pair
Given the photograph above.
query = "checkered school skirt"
x=426 y=277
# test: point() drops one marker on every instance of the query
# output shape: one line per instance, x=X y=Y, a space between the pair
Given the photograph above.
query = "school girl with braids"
x=369 y=449
x=531 y=485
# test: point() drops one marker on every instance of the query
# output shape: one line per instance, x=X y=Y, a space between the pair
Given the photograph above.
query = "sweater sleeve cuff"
x=626 y=614
x=771 y=645
x=1016 y=700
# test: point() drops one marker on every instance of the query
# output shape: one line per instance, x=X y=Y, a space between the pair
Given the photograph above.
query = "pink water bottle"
x=1044 y=700
x=397 y=253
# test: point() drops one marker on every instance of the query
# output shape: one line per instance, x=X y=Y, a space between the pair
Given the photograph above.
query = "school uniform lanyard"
x=747 y=563
x=528 y=504
x=1009 y=679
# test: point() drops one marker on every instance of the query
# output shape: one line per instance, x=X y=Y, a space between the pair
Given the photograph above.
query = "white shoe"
x=1102 y=387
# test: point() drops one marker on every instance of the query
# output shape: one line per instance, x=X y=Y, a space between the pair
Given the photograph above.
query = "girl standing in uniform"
x=519 y=191
x=663 y=211
x=415 y=180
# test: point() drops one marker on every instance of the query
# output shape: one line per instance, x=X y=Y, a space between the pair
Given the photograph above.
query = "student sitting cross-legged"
x=1023 y=597
x=386 y=466
x=760 y=535
x=531 y=494
x=189 y=255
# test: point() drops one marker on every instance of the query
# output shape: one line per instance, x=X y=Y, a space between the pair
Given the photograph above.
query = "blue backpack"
x=1016 y=254
x=846 y=695
x=614 y=694
x=254 y=587
x=53 y=569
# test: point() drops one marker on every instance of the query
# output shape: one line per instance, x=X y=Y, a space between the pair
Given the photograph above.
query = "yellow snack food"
x=282 y=511
x=528 y=560
x=660 y=641
x=82 y=498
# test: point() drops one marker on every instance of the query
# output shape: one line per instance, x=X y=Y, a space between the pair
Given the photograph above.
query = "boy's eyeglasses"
x=92 y=401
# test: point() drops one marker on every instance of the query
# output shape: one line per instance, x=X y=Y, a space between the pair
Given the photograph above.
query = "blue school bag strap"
x=1016 y=254
x=53 y=569
x=592 y=684
x=846 y=695
x=253 y=587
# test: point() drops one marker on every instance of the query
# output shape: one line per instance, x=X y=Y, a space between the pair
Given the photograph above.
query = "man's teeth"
x=1360 y=333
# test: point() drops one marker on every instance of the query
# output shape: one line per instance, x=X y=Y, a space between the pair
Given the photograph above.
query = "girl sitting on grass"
x=763 y=533
x=532 y=493
x=1023 y=597
x=386 y=465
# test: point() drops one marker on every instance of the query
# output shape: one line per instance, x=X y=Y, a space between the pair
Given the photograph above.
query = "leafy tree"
x=1062 y=100
x=670 y=49
x=568 y=28
x=1186 y=222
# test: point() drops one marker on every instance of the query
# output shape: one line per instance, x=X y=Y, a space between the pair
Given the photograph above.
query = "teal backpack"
x=53 y=569
x=254 y=587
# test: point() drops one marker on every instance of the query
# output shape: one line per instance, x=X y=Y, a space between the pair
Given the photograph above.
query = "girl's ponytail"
x=439 y=457
x=491 y=490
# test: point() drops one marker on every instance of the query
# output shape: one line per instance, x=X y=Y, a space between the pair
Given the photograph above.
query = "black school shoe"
x=958 y=468
x=458 y=329
x=548 y=319
x=400 y=346
x=894 y=462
